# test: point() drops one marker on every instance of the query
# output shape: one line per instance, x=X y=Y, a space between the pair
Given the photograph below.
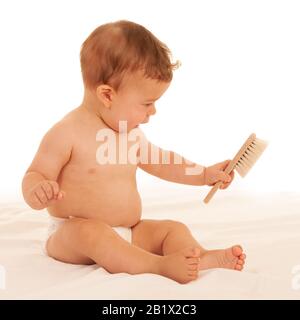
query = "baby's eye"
x=147 y=104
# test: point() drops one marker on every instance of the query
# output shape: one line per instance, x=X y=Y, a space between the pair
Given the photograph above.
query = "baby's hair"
x=118 y=48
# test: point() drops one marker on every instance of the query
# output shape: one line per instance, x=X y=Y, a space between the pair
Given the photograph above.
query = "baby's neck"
x=91 y=105
x=91 y=115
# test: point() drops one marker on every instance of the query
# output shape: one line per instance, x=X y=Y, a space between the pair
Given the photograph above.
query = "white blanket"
x=266 y=225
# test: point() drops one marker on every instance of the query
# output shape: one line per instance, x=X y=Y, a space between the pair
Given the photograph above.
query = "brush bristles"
x=250 y=156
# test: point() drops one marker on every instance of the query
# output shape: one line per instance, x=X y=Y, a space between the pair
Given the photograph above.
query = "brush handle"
x=230 y=167
x=214 y=189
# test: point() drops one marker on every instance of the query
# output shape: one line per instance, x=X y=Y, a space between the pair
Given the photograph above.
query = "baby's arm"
x=39 y=185
x=169 y=165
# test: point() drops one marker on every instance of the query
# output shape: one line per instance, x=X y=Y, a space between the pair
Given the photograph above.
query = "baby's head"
x=125 y=69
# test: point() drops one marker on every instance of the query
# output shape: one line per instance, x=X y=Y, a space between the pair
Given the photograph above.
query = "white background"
x=240 y=74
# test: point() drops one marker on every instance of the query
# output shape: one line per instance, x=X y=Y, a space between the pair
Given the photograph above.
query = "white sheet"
x=267 y=225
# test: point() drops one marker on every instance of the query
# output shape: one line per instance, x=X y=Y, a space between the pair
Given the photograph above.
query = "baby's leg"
x=179 y=236
x=84 y=241
x=87 y=241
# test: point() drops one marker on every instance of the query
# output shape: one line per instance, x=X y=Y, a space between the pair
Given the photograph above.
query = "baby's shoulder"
x=62 y=129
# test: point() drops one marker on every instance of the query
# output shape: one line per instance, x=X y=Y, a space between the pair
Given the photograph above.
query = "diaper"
x=54 y=223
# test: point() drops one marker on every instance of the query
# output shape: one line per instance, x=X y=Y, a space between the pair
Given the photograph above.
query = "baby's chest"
x=108 y=157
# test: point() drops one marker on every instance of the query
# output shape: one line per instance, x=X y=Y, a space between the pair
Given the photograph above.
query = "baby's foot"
x=231 y=258
x=181 y=266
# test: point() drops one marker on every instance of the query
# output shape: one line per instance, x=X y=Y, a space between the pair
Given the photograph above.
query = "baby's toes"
x=193 y=261
x=193 y=267
x=242 y=256
x=193 y=275
x=191 y=252
x=239 y=267
x=237 y=251
x=241 y=262
x=197 y=252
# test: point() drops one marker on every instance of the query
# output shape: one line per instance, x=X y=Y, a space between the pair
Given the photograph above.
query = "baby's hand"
x=215 y=173
x=44 y=194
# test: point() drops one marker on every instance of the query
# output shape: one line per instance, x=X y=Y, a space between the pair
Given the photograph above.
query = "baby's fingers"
x=61 y=195
x=224 y=177
x=225 y=185
x=55 y=188
x=57 y=194
x=41 y=196
x=47 y=188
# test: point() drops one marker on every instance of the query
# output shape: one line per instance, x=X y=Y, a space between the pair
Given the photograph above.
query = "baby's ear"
x=105 y=94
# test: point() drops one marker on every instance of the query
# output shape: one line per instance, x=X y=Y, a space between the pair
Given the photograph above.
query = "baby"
x=84 y=171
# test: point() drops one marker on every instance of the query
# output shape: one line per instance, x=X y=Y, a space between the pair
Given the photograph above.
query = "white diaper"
x=54 y=223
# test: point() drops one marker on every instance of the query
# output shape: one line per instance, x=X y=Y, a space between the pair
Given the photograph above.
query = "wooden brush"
x=244 y=160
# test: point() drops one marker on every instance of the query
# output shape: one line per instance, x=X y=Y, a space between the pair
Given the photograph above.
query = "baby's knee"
x=176 y=225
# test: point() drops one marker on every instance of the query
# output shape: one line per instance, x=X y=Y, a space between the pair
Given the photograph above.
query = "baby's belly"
x=116 y=203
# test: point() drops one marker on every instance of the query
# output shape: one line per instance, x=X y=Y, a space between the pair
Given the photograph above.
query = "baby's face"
x=135 y=101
